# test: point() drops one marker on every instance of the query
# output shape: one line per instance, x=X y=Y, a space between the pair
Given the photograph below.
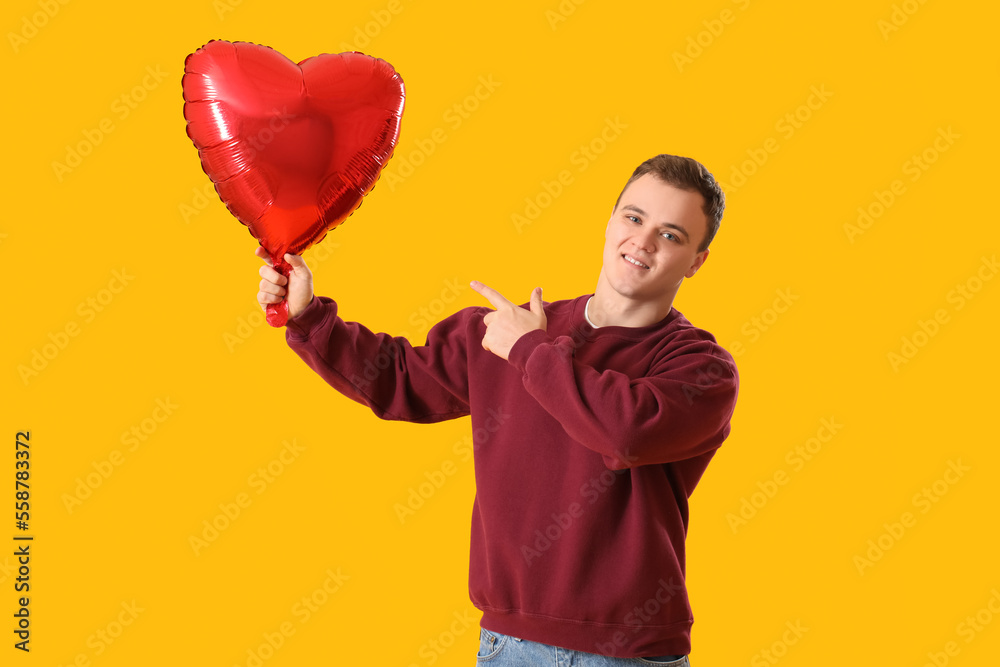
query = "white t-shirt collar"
x=586 y=314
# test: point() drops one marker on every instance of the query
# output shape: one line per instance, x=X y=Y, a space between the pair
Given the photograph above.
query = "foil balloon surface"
x=291 y=148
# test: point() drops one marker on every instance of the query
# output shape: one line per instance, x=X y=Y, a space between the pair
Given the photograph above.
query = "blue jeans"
x=499 y=650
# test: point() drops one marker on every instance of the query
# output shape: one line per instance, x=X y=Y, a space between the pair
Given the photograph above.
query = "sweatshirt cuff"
x=298 y=327
x=525 y=345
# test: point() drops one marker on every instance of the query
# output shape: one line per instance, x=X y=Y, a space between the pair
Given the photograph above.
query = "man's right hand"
x=299 y=291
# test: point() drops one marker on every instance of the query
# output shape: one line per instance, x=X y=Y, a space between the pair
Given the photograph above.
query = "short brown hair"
x=687 y=174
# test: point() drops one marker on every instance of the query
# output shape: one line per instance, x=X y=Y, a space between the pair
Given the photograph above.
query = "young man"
x=593 y=420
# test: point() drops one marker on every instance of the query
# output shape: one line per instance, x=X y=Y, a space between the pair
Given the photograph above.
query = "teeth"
x=636 y=262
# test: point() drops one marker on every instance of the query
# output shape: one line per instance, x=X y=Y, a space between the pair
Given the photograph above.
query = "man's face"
x=660 y=226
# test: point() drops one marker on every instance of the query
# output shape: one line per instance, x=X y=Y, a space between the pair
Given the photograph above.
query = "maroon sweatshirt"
x=587 y=445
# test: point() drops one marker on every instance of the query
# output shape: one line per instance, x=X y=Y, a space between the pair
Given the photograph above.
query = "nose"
x=645 y=239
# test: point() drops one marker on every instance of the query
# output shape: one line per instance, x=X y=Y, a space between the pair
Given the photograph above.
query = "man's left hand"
x=509 y=321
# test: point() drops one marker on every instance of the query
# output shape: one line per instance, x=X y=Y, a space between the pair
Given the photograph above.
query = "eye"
x=672 y=237
x=630 y=217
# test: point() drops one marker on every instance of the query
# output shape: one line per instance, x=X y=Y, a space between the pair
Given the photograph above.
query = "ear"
x=699 y=259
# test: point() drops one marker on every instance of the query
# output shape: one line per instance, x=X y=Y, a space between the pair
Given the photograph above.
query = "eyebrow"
x=668 y=225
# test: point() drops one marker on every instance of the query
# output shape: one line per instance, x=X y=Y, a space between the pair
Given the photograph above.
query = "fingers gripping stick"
x=277 y=313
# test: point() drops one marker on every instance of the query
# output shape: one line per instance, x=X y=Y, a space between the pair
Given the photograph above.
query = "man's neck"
x=600 y=314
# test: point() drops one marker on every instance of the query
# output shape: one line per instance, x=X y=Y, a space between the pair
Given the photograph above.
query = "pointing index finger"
x=493 y=296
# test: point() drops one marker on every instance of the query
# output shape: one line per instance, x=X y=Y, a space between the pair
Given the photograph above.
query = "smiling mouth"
x=633 y=261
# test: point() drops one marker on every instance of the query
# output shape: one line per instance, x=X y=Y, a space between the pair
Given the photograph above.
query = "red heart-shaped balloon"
x=292 y=148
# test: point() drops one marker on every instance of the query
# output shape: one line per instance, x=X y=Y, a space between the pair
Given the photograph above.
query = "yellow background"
x=184 y=327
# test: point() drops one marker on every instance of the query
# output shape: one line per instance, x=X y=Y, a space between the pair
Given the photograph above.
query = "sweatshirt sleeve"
x=428 y=383
x=681 y=409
